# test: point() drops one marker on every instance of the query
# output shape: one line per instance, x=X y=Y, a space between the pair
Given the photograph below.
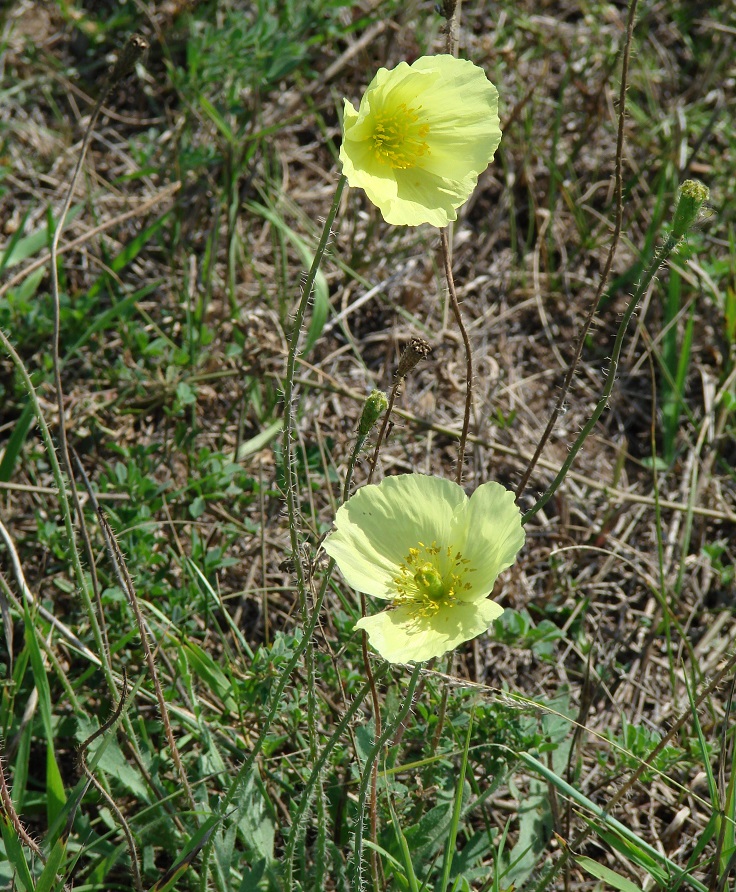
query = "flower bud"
x=692 y=197
x=374 y=407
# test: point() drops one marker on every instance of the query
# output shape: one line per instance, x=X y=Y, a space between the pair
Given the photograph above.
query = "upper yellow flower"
x=422 y=135
x=421 y=544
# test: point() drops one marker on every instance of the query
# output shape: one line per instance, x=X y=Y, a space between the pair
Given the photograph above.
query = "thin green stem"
x=364 y=637
x=659 y=258
x=290 y=482
x=277 y=697
x=365 y=782
x=311 y=617
x=468 y=355
x=384 y=426
x=308 y=791
x=617 y=224
x=132 y=51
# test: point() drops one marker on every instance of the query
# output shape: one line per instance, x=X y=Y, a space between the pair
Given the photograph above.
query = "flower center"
x=398 y=138
x=430 y=578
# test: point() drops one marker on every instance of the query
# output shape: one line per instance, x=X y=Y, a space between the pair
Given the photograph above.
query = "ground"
x=194 y=219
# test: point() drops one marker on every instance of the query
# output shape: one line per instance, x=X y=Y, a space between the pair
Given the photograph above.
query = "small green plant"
x=193 y=346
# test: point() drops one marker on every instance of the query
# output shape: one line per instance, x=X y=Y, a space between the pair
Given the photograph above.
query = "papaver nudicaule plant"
x=420 y=543
x=422 y=135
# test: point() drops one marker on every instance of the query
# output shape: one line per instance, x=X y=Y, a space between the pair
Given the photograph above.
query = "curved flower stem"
x=384 y=425
x=132 y=51
x=618 y=191
x=363 y=610
x=290 y=477
x=659 y=258
x=388 y=733
x=290 y=483
x=319 y=766
x=468 y=356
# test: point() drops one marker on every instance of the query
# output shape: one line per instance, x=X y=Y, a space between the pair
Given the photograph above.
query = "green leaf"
x=16 y=441
x=55 y=797
x=15 y=855
x=47 y=881
x=208 y=671
x=259 y=441
x=600 y=872
x=256 y=820
x=321 y=295
x=21 y=249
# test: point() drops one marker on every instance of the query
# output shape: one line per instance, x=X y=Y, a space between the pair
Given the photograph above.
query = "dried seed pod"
x=417 y=350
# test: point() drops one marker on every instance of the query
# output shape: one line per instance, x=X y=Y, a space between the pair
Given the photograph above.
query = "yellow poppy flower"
x=422 y=544
x=422 y=135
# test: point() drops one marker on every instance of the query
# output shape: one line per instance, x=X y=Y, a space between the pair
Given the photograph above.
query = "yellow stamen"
x=398 y=139
x=429 y=578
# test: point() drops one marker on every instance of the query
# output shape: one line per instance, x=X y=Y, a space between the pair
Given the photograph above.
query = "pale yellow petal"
x=377 y=526
x=492 y=536
x=402 y=638
x=450 y=110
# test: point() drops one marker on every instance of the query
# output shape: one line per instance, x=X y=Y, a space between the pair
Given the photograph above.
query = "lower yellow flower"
x=422 y=135
x=420 y=543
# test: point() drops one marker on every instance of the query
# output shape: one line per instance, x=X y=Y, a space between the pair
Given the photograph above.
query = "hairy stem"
x=659 y=258
x=468 y=356
x=618 y=221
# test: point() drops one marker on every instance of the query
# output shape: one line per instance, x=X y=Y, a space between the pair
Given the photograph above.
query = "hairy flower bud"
x=374 y=407
x=692 y=197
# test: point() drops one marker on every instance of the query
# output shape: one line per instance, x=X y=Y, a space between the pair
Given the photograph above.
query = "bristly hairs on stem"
x=690 y=200
x=319 y=766
x=133 y=50
x=92 y=780
x=618 y=222
x=416 y=350
x=8 y=810
x=365 y=782
x=290 y=481
x=447 y=262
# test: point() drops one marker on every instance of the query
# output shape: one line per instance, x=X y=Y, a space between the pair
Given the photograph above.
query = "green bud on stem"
x=374 y=407
x=692 y=197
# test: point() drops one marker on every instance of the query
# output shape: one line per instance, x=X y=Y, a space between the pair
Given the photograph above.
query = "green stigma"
x=429 y=581
x=398 y=140
x=430 y=578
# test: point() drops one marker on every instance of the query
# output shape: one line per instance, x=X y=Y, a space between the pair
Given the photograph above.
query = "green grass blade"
x=456 y=809
x=16 y=441
x=411 y=877
x=117 y=311
x=131 y=250
x=321 y=295
x=637 y=849
x=196 y=844
x=601 y=872
x=47 y=881
x=15 y=855
x=55 y=797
